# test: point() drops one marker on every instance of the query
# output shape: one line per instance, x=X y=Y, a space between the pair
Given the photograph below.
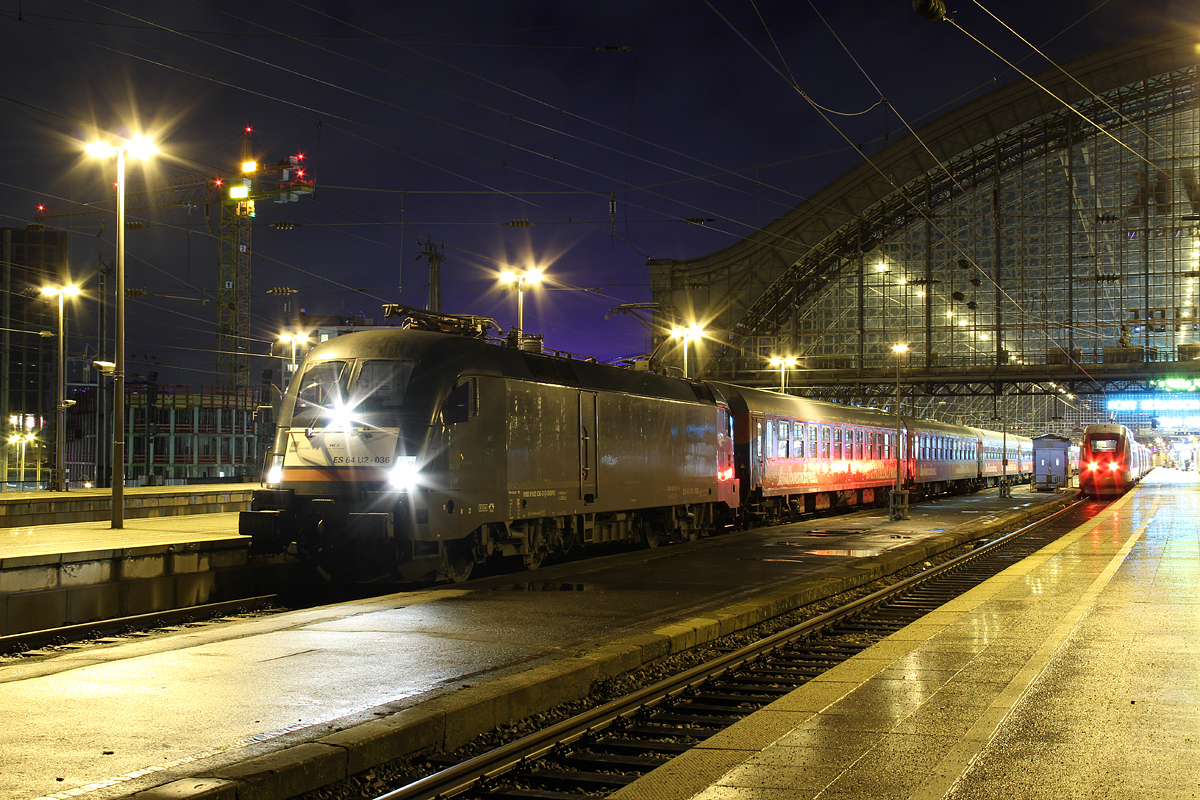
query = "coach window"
x=837 y=444
x=824 y=441
x=858 y=443
x=797 y=440
x=813 y=451
x=783 y=438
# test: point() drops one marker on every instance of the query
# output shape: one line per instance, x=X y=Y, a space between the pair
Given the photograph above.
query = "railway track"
x=607 y=747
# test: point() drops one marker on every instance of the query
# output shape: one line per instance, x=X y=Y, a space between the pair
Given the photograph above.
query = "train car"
x=1111 y=461
x=416 y=455
x=1004 y=456
x=797 y=455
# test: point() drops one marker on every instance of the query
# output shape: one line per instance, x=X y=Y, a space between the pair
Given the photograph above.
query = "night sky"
x=605 y=126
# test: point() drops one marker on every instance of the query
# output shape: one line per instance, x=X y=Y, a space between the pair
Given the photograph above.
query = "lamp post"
x=139 y=148
x=690 y=333
x=783 y=362
x=58 y=478
x=294 y=338
x=532 y=276
x=898 y=508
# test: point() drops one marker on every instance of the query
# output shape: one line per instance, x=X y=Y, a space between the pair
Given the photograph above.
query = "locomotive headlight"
x=405 y=473
x=1092 y=465
x=339 y=417
x=275 y=471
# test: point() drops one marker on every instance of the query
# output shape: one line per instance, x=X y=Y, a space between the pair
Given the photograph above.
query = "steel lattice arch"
x=1034 y=249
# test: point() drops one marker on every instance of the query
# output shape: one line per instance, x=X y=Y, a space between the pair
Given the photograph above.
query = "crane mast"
x=281 y=183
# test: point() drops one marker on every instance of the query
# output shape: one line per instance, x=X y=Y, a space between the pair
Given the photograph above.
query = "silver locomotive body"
x=416 y=455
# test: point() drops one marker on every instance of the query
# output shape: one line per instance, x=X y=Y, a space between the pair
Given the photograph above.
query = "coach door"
x=588 y=443
x=758 y=450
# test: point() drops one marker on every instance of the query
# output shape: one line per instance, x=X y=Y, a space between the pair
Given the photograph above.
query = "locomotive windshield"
x=1105 y=445
x=332 y=388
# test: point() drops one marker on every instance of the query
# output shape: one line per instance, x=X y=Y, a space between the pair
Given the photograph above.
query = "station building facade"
x=1051 y=222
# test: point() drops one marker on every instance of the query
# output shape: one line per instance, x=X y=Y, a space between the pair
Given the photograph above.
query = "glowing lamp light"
x=249 y=166
x=1093 y=465
x=405 y=474
x=275 y=473
x=239 y=192
x=340 y=417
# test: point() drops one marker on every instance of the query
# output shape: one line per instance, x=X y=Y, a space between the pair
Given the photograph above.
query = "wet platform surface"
x=334 y=682
x=1071 y=674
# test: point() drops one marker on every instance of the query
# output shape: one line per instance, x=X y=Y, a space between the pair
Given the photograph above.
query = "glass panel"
x=320 y=387
x=381 y=385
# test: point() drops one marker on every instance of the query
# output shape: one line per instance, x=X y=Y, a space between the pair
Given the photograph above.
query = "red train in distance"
x=1111 y=461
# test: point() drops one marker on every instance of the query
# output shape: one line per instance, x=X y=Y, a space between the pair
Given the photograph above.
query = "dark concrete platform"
x=275 y=706
x=1071 y=674
x=61 y=562
x=26 y=508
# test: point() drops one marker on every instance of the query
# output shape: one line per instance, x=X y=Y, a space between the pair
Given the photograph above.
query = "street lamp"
x=294 y=338
x=138 y=148
x=688 y=334
x=783 y=362
x=898 y=508
x=532 y=276
x=58 y=478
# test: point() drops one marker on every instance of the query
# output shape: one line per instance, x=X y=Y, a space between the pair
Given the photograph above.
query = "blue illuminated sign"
x=1154 y=404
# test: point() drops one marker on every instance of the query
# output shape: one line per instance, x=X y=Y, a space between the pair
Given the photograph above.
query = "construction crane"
x=284 y=182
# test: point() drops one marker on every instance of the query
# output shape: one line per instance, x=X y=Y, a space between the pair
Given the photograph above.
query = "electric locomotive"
x=1111 y=461
x=415 y=455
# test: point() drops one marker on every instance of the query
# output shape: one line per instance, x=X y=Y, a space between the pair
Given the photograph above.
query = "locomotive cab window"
x=321 y=387
x=381 y=385
x=462 y=403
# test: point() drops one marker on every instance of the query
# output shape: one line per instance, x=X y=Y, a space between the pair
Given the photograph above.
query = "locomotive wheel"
x=649 y=536
x=538 y=549
x=458 y=562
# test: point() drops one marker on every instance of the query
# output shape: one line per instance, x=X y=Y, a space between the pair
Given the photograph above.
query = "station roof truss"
x=1027 y=226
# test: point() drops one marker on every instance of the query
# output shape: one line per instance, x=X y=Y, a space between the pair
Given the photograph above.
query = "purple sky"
x=444 y=120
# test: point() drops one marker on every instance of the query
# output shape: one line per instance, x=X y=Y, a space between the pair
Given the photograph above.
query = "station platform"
x=62 y=563
x=275 y=706
x=1071 y=674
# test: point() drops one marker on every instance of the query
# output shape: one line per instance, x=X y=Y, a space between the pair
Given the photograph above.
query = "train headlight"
x=405 y=473
x=1092 y=465
x=1114 y=466
x=275 y=471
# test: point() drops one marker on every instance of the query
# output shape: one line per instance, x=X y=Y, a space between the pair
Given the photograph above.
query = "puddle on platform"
x=538 y=586
x=851 y=553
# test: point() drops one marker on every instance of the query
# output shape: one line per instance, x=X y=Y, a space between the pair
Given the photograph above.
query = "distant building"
x=29 y=259
x=176 y=433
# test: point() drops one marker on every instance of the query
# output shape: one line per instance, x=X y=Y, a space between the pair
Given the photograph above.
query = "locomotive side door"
x=588 y=444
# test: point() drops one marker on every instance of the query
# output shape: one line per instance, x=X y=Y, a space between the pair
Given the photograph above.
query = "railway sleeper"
x=593 y=780
x=582 y=759
x=640 y=746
